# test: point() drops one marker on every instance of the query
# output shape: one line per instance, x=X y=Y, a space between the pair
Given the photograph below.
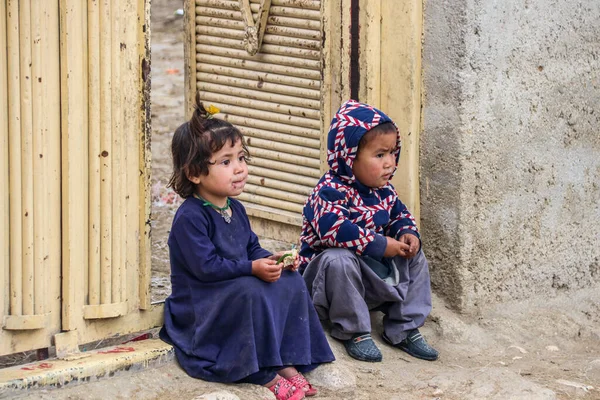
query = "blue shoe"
x=362 y=347
x=415 y=345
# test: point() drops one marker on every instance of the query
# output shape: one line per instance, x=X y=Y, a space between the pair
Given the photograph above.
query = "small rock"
x=520 y=349
x=552 y=348
x=222 y=395
x=592 y=371
x=576 y=385
x=438 y=392
x=367 y=370
x=333 y=377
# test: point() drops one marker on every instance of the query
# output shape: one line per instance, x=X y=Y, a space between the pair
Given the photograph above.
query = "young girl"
x=235 y=314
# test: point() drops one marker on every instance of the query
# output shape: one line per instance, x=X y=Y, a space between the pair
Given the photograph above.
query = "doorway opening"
x=167 y=108
x=168 y=112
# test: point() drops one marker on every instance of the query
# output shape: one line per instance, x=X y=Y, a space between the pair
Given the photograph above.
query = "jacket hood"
x=348 y=126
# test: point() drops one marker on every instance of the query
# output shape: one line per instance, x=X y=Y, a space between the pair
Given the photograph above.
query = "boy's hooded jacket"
x=341 y=211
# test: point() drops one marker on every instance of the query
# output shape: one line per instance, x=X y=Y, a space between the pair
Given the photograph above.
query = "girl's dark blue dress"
x=224 y=323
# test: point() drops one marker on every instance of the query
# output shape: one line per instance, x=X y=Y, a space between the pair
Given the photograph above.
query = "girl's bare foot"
x=271 y=383
x=288 y=372
x=301 y=382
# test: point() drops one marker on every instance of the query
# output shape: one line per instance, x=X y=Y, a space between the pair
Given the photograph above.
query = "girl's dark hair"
x=194 y=143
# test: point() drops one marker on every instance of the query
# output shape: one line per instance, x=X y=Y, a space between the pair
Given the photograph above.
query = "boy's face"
x=375 y=161
x=226 y=176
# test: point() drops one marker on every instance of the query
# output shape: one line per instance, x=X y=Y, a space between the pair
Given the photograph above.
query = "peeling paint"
x=100 y=364
x=118 y=350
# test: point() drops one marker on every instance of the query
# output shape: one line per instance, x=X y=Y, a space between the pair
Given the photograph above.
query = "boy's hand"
x=294 y=267
x=395 y=248
x=266 y=269
x=413 y=242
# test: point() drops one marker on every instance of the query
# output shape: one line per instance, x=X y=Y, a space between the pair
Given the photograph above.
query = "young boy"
x=360 y=247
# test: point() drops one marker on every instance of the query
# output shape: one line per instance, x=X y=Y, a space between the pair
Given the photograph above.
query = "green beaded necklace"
x=220 y=210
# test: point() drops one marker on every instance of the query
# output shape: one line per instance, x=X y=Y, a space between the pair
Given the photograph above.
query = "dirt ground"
x=542 y=349
x=167 y=114
x=539 y=349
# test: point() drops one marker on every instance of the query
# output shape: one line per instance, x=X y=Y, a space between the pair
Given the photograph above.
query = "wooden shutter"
x=274 y=97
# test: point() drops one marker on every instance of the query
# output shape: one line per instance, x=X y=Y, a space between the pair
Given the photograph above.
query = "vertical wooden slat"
x=129 y=65
x=52 y=118
x=85 y=190
x=145 y=155
x=189 y=53
x=117 y=140
x=73 y=53
x=94 y=151
x=335 y=63
x=40 y=210
x=27 y=153
x=345 y=54
x=106 y=153
x=401 y=95
x=4 y=180
x=370 y=60
x=125 y=66
x=14 y=132
x=328 y=11
x=132 y=95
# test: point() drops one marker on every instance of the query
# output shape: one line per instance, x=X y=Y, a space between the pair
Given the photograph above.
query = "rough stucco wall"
x=510 y=150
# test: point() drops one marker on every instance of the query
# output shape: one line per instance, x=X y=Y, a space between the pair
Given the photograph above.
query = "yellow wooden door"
x=74 y=172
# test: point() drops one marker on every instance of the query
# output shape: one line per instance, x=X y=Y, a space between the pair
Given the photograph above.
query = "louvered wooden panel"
x=274 y=97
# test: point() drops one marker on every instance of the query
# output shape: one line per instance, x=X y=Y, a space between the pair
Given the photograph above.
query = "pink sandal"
x=285 y=390
x=301 y=382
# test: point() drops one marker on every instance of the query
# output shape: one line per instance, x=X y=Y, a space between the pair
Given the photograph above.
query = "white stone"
x=592 y=371
x=332 y=376
x=520 y=349
x=221 y=395
x=576 y=385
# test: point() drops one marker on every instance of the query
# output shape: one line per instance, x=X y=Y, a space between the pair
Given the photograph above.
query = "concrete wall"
x=510 y=149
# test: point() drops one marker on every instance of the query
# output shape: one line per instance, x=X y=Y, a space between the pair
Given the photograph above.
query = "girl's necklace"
x=220 y=210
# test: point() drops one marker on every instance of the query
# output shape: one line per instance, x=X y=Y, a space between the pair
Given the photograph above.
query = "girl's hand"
x=413 y=242
x=294 y=267
x=396 y=248
x=276 y=256
x=266 y=269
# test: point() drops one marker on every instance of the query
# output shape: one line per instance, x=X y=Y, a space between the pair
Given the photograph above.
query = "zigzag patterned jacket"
x=342 y=212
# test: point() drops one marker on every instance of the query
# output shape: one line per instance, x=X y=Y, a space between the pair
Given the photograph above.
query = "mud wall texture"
x=510 y=149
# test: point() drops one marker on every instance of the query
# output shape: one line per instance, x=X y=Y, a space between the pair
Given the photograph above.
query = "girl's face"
x=375 y=162
x=226 y=176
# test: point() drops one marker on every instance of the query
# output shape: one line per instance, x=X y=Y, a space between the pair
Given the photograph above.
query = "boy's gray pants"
x=344 y=289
